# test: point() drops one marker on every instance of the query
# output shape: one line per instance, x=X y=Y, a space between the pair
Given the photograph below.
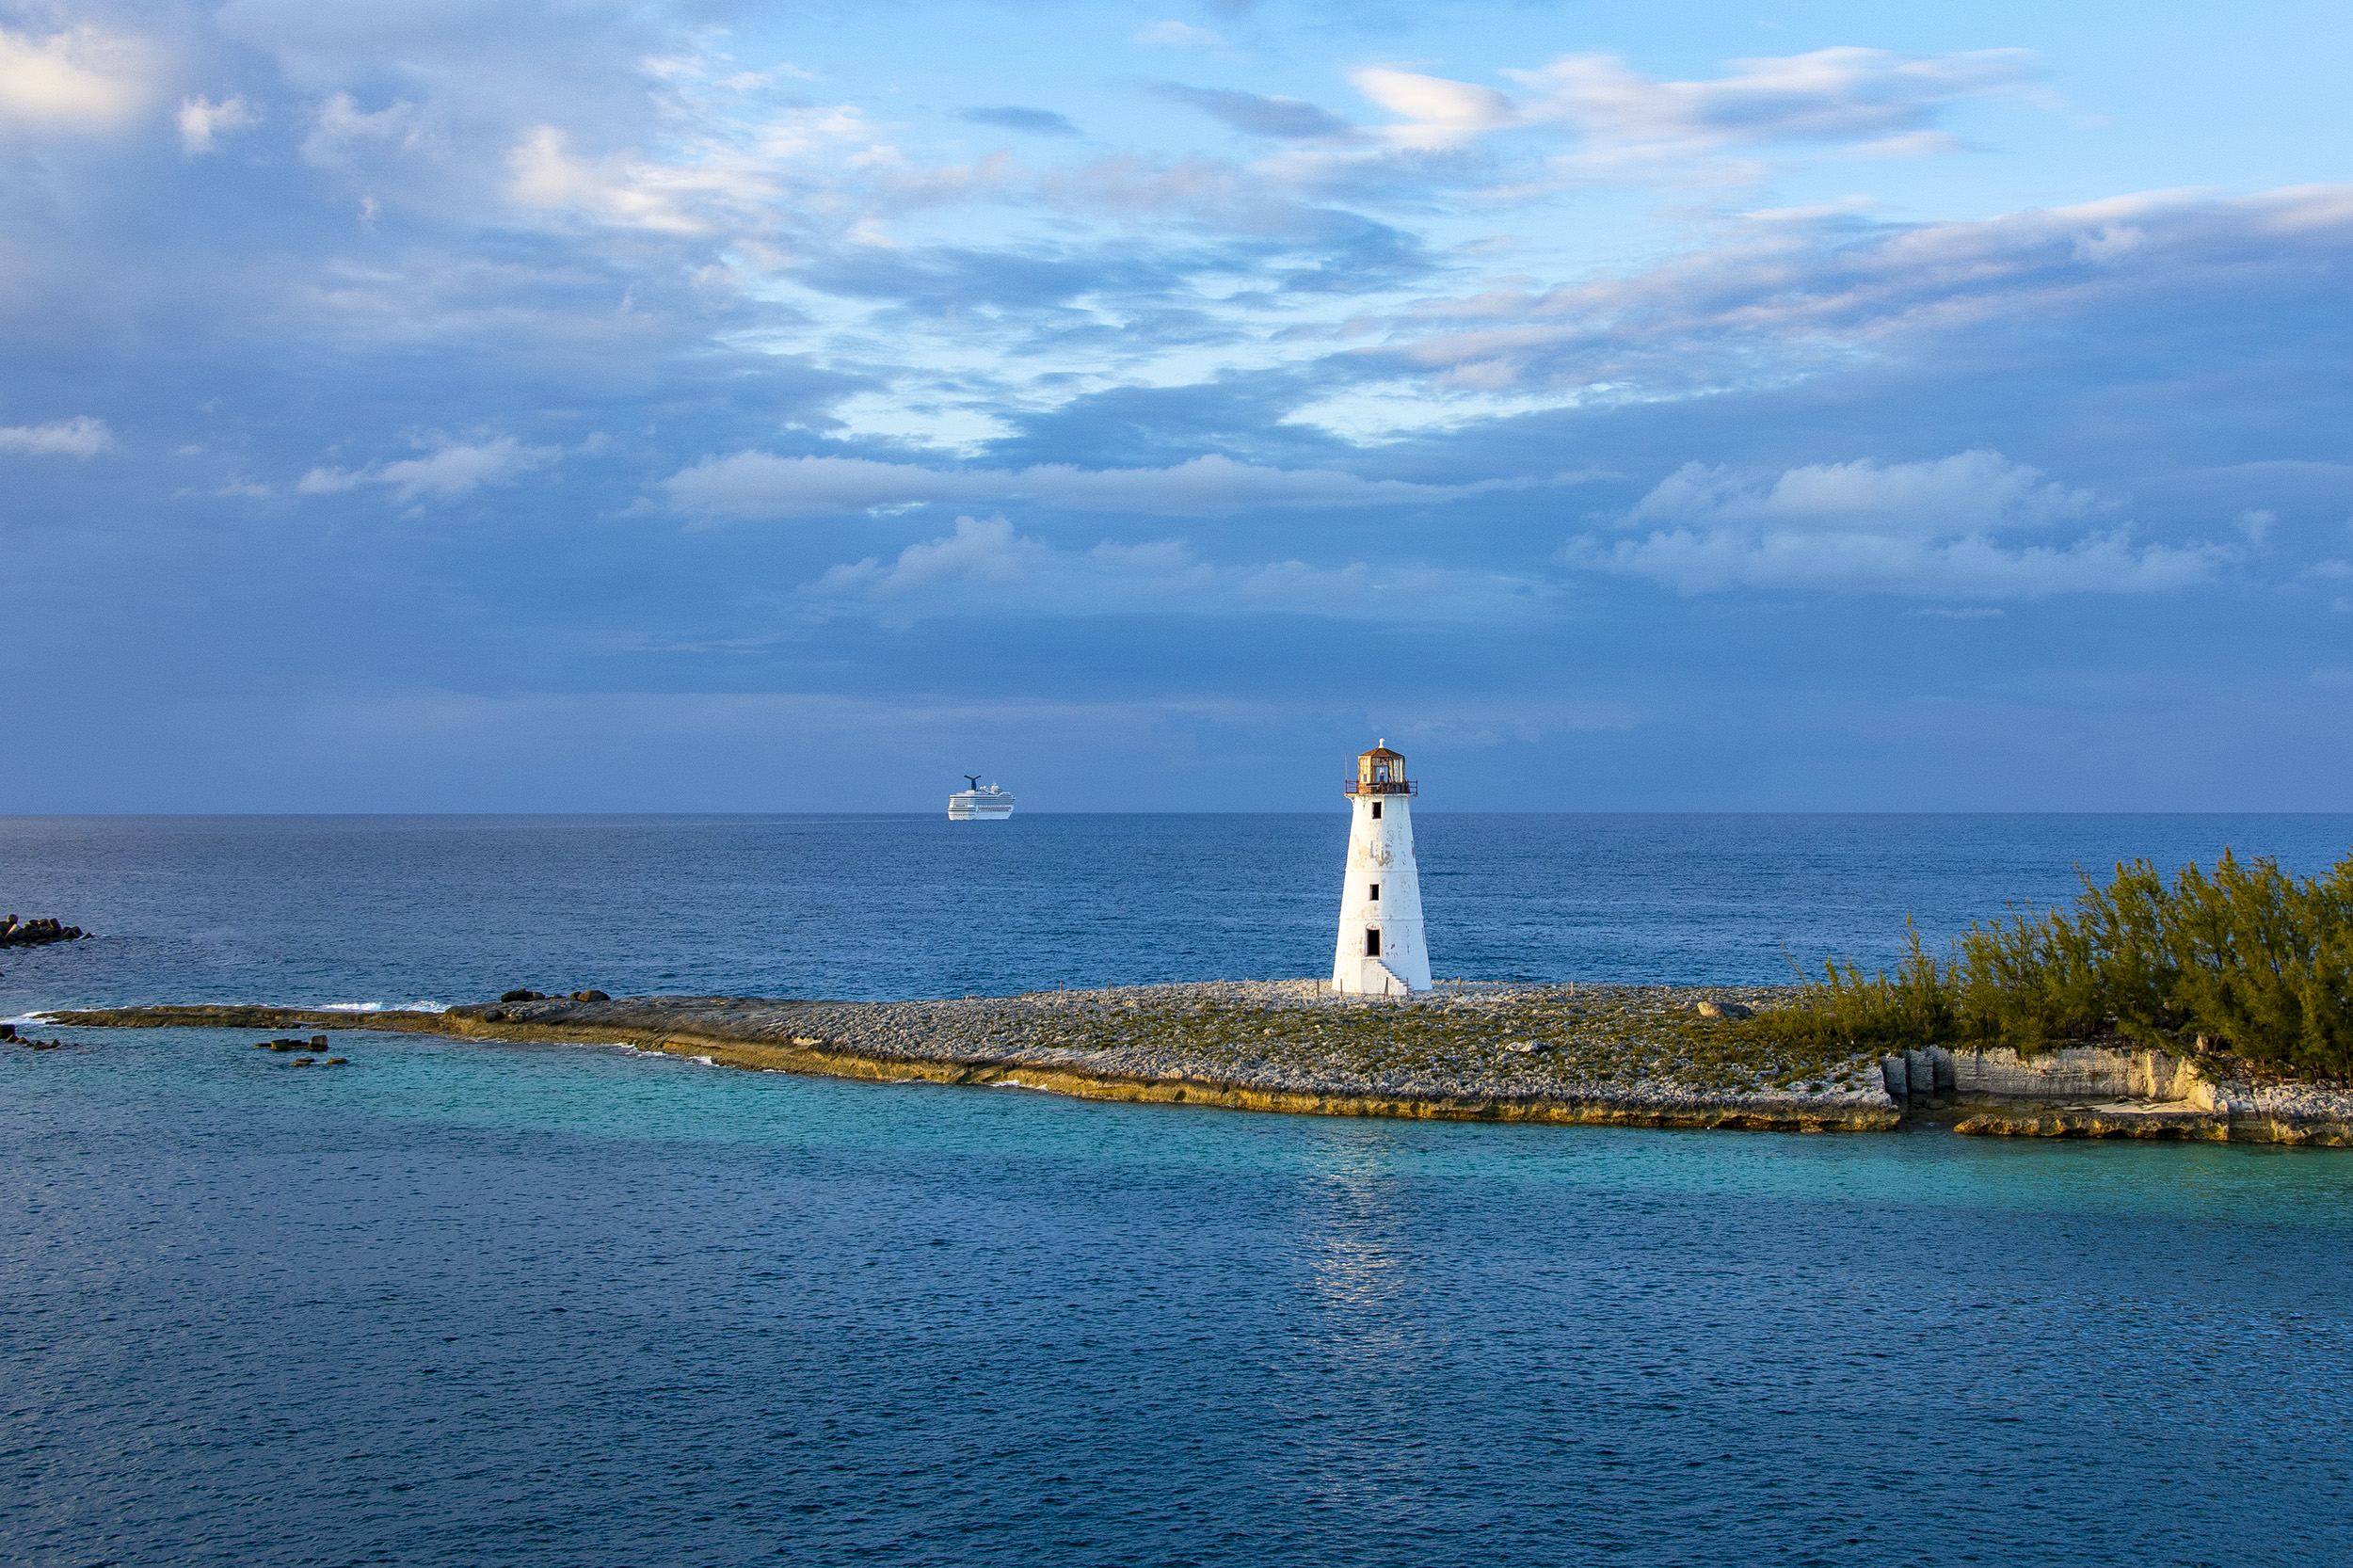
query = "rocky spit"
x=1646 y=1056
x=1633 y=1055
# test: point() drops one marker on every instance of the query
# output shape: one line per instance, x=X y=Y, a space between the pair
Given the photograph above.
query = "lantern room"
x=1379 y=772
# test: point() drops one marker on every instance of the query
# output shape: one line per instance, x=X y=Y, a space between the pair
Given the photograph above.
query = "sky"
x=572 y=406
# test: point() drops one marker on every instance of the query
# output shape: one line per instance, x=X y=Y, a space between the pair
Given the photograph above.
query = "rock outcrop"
x=32 y=934
x=2113 y=1091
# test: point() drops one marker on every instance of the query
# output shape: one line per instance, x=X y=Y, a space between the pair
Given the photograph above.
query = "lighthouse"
x=1380 y=949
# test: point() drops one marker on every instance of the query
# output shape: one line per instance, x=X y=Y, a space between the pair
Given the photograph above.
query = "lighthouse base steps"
x=1374 y=978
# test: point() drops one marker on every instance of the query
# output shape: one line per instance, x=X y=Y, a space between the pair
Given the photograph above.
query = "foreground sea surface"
x=474 y=1302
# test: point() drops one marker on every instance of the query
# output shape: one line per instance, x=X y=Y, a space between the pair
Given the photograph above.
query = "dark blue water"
x=463 y=1303
x=394 y=910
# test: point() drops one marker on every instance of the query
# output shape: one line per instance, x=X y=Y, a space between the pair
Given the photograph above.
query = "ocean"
x=470 y=1303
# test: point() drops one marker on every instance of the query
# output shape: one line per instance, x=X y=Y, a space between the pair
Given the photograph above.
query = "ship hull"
x=990 y=805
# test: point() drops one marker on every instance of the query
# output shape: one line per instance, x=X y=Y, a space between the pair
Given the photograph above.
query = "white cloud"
x=756 y=173
x=1796 y=296
x=1830 y=95
x=623 y=190
x=1929 y=529
x=84 y=436
x=81 y=79
x=201 y=120
x=450 y=470
x=1878 y=102
x=341 y=130
x=986 y=567
x=1967 y=492
x=1438 y=113
x=758 y=485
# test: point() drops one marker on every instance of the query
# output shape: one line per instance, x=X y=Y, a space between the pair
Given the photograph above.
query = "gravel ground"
x=1487 y=1041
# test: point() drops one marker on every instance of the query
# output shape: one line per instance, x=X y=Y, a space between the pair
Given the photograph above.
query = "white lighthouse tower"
x=1381 y=949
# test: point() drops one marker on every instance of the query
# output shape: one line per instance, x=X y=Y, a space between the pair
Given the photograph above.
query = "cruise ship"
x=979 y=805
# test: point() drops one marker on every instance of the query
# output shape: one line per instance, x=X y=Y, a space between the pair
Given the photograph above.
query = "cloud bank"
x=1929 y=528
x=450 y=470
x=987 y=568
x=759 y=484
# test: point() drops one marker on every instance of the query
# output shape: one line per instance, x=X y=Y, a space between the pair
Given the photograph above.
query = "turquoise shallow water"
x=464 y=1302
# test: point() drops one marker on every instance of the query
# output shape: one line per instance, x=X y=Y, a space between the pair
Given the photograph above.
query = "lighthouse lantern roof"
x=1380 y=771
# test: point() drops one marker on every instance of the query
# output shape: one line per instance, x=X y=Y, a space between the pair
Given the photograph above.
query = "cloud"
x=1927 y=529
x=1881 y=103
x=1285 y=118
x=759 y=484
x=1180 y=35
x=1830 y=95
x=986 y=569
x=1438 y=113
x=1037 y=122
x=341 y=131
x=624 y=190
x=84 y=436
x=450 y=471
x=1790 y=298
x=81 y=79
x=201 y=120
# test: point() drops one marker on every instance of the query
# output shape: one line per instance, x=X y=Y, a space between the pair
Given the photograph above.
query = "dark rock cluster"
x=542 y=996
x=32 y=934
x=9 y=1035
x=316 y=1042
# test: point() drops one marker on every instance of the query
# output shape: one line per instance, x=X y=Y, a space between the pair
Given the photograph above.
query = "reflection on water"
x=1348 y=1228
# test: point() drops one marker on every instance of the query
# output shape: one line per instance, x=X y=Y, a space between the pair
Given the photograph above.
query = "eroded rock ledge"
x=2113 y=1091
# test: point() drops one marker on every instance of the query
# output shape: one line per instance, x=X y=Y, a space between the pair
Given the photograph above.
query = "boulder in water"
x=32 y=934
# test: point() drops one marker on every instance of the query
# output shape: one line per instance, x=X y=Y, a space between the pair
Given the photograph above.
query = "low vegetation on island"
x=2247 y=962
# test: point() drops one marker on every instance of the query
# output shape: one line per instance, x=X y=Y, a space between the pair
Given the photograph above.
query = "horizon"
x=1026 y=812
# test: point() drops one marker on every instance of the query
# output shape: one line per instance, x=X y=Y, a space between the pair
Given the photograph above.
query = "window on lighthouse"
x=1375 y=893
x=1376 y=810
x=1372 y=941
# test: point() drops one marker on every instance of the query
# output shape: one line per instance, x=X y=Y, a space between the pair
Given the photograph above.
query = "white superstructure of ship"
x=979 y=804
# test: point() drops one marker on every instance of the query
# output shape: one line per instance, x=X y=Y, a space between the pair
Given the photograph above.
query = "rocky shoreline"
x=1640 y=1056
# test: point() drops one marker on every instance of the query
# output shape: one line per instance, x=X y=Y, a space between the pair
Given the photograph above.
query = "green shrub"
x=2247 y=959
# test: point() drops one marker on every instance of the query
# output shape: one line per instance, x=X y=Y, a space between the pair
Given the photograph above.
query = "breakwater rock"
x=32 y=934
x=1637 y=1056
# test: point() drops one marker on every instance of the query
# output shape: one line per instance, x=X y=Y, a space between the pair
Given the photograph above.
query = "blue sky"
x=583 y=406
